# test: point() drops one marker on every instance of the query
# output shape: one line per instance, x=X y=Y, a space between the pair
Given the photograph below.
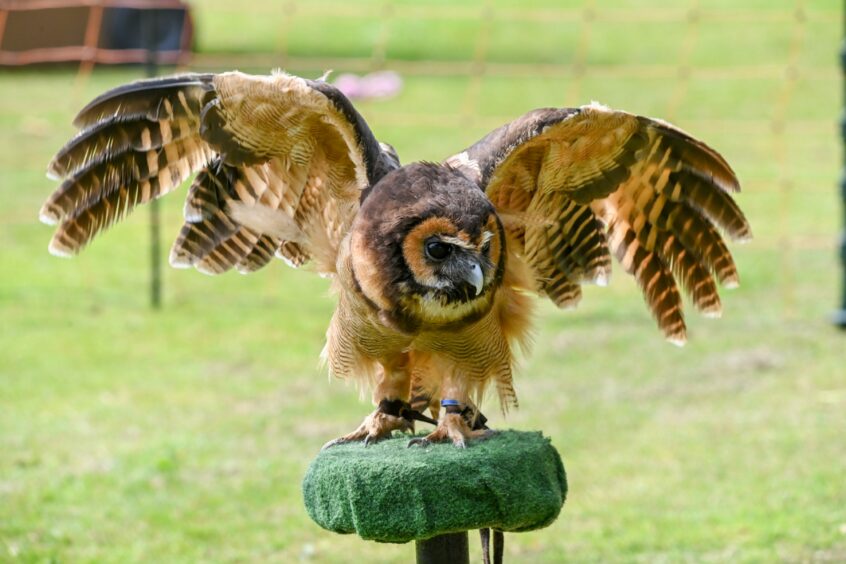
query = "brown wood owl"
x=434 y=265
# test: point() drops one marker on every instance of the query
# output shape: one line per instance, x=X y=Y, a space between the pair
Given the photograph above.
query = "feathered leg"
x=460 y=420
x=393 y=412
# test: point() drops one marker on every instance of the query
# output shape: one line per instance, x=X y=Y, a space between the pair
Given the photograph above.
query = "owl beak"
x=475 y=278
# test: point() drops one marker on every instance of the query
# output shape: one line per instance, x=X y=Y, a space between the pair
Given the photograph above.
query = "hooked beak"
x=475 y=278
x=466 y=274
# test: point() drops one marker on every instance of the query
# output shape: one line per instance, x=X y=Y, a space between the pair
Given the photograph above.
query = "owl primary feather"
x=435 y=264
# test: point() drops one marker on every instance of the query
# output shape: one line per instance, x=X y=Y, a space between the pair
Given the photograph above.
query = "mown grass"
x=182 y=435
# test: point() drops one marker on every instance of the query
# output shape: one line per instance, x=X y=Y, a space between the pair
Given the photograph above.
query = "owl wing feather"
x=575 y=186
x=275 y=142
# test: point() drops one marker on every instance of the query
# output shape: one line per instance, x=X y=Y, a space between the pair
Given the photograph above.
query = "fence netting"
x=757 y=79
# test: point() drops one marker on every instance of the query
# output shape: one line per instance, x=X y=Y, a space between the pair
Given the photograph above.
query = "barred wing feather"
x=274 y=142
x=578 y=185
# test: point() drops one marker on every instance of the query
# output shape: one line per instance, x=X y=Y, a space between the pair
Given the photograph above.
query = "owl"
x=436 y=266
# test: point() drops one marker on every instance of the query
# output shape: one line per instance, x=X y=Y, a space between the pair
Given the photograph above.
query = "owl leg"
x=459 y=421
x=393 y=412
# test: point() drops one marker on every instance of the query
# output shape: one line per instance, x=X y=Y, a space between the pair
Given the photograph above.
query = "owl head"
x=428 y=248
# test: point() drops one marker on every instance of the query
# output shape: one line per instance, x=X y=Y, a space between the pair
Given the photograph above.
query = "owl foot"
x=390 y=416
x=454 y=427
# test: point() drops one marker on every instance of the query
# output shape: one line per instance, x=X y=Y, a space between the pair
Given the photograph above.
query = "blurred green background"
x=129 y=435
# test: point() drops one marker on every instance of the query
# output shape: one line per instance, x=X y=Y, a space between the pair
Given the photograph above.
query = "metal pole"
x=149 y=25
x=840 y=315
x=451 y=548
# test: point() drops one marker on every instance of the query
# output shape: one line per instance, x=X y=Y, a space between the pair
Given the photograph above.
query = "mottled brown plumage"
x=434 y=264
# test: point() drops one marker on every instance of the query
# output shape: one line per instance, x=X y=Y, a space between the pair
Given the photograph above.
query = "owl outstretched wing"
x=261 y=145
x=574 y=186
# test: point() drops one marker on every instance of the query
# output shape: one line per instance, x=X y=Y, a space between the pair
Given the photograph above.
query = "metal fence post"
x=149 y=30
x=840 y=315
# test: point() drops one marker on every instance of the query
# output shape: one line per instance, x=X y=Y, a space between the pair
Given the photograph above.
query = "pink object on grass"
x=380 y=84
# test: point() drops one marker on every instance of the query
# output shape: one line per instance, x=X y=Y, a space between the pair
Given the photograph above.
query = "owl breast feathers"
x=434 y=264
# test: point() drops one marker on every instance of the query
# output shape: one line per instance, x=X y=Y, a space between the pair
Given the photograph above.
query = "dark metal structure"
x=93 y=31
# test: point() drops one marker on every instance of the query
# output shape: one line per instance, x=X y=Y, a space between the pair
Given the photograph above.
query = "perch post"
x=451 y=547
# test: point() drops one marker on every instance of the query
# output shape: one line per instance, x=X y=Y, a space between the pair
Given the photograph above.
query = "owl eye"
x=486 y=248
x=438 y=250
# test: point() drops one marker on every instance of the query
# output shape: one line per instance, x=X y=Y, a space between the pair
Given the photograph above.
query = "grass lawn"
x=129 y=435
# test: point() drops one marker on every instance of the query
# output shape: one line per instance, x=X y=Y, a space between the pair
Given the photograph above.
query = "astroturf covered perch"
x=513 y=481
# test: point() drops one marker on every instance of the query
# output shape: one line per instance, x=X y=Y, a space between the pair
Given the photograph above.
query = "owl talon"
x=373 y=439
x=375 y=427
x=333 y=442
x=452 y=427
x=419 y=441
